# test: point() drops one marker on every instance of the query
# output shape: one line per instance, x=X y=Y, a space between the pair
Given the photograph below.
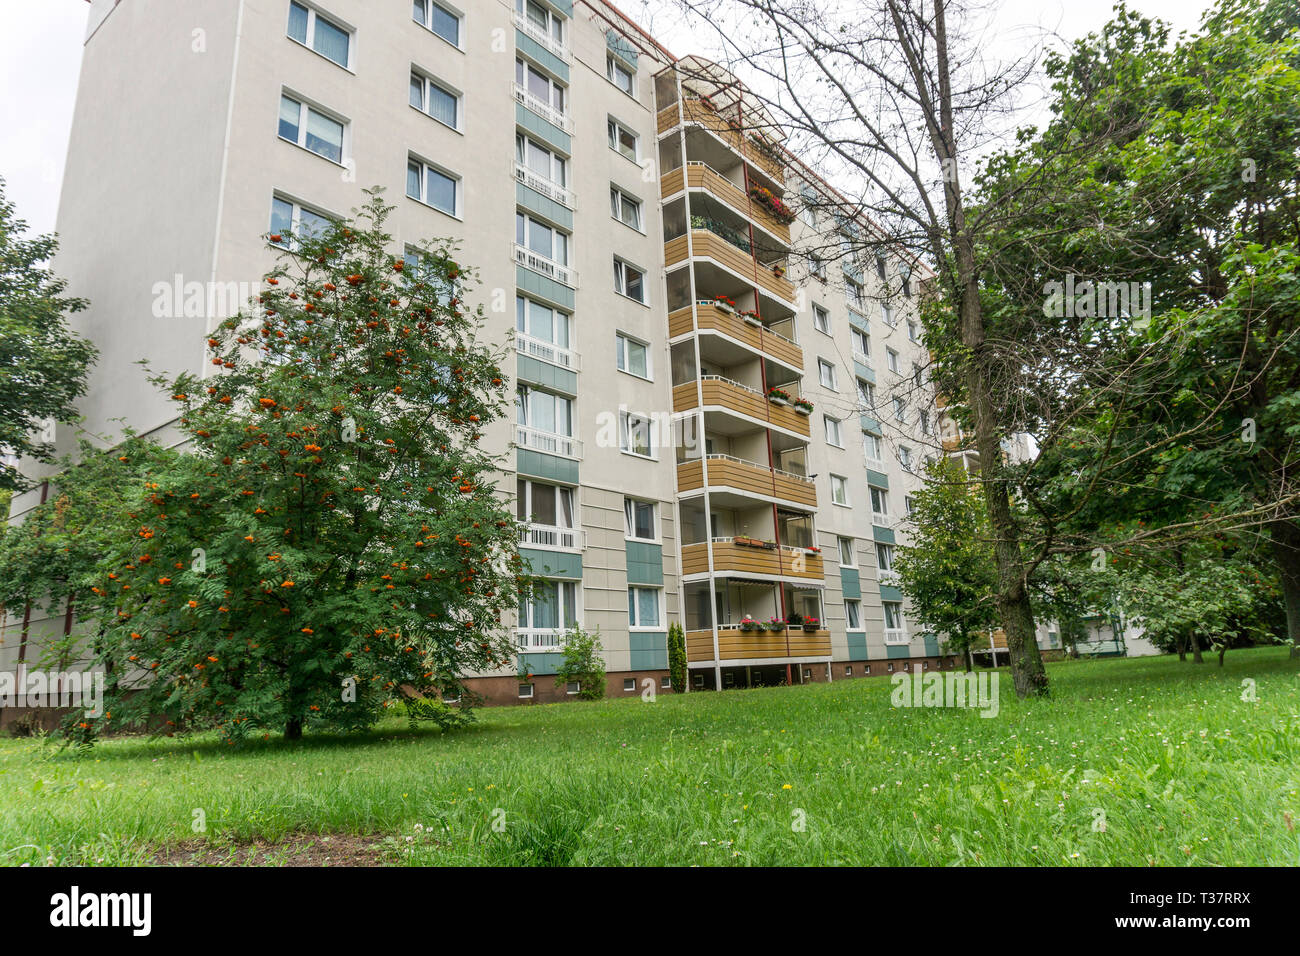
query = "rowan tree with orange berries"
x=332 y=542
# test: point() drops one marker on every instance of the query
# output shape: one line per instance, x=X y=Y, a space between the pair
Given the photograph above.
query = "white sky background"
x=40 y=60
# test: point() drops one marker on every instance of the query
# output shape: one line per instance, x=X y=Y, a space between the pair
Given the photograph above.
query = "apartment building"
x=712 y=428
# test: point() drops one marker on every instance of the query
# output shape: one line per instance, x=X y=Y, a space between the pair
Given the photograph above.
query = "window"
x=880 y=268
x=665 y=682
x=913 y=330
x=437 y=18
x=432 y=187
x=861 y=345
x=852 y=615
x=625 y=209
x=573 y=687
x=643 y=608
x=853 y=290
x=891 y=359
x=866 y=393
x=544 y=411
x=619 y=74
x=821 y=319
x=879 y=502
x=895 y=625
x=847 y=558
x=900 y=409
x=871 y=445
x=319 y=33
x=541 y=160
x=435 y=100
x=289 y=219
x=699 y=681
x=887 y=314
x=884 y=556
x=629 y=684
x=839 y=490
x=633 y=356
x=808 y=209
x=636 y=434
x=622 y=139
x=905 y=457
x=826 y=374
x=848 y=670
x=918 y=375
x=834 y=435
x=907 y=284
x=541 y=322
x=639 y=519
x=542 y=87
x=311 y=129
x=549 y=506
x=542 y=18
x=817 y=265
x=541 y=238
x=551 y=609
x=909 y=504
x=525 y=691
x=629 y=281
x=925 y=423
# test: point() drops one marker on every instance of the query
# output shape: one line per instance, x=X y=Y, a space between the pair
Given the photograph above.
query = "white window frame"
x=559 y=163
x=826 y=375
x=900 y=409
x=613 y=129
x=429 y=80
x=427 y=22
x=532 y=689
x=615 y=64
x=620 y=199
x=553 y=84
x=821 y=319
x=881 y=495
x=524 y=316
x=853 y=292
x=296 y=209
x=895 y=635
x=413 y=159
x=840 y=541
x=833 y=430
x=842 y=483
x=871 y=442
x=884 y=556
x=629 y=520
x=858 y=337
x=528 y=219
x=905 y=458
x=866 y=393
x=554 y=26
x=853 y=608
x=621 y=342
x=891 y=361
x=625 y=420
x=305 y=108
x=621 y=284
x=659 y=609
x=309 y=41
x=913 y=330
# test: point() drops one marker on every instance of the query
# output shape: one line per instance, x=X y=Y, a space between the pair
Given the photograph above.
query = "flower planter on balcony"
x=803 y=409
x=749 y=542
x=810 y=628
x=777 y=400
x=752 y=319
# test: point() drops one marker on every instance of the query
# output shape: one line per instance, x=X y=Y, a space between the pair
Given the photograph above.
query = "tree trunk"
x=1223 y=649
x=1196 y=649
x=293 y=729
x=1286 y=552
x=1182 y=648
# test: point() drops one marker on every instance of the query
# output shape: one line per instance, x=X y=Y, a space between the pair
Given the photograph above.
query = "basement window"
x=525 y=691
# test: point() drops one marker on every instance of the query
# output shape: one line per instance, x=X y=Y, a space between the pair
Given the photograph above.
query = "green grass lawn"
x=1184 y=771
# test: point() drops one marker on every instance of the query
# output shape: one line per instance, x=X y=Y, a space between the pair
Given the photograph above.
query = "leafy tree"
x=947 y=572
x=43 y=364
x=582 y=662
x=677 y=670
x=331 y=541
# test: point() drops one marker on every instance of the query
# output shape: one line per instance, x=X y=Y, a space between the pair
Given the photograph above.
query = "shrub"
x=583 y=663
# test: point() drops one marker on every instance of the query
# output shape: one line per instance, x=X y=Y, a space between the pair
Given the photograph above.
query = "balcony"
x=544 y=266
x=748 y=477
x=546 y=352
x=705 y=244
x=730 y=556
x=545 y=110
x=888 y=577
x=548 y=442
x=702 y=176
x=553 y=538
x=540 y=36
x=540 y=184
x=736 y=645
x=722 y=393
x=708 y=316
x=695 y=111
x=539 y=638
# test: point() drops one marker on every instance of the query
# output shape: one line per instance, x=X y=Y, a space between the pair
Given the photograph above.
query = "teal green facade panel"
x=648 y=650
x=564 y=6
x=528 y=120
x=857 y=647
x=888 y=593
x=645 y=563
x=864 y=373
x=883 y=535
x=536 y=372
x=541 y=56
x=851 y=584
x=552 y=564
x=931 y=645
x=618 y=44
x=869 y=424
x=538 y=464
x=544 y=206
x=897 y=650
x=877 y=479
x=529 y=281
x=540 y=665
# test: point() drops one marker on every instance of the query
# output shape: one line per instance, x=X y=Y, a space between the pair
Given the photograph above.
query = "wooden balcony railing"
x=695 y=111
x=702 y=176
x=724 y=393
x=737 y=645
x=746 y=559
x=709 y=316
x=705 y=244
x=747 y=476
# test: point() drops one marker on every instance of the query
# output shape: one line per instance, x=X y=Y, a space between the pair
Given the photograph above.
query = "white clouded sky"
x=40 y=57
